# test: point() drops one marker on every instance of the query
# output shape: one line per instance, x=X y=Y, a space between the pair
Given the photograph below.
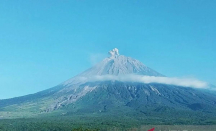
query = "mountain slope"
x=143 y=96
x=120 y=65
x=80 y=96
x=115 y=65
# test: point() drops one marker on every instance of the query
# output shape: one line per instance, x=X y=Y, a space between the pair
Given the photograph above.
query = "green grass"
x=80 y=123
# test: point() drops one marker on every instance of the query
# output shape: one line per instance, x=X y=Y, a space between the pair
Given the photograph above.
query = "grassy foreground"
x=98 y=123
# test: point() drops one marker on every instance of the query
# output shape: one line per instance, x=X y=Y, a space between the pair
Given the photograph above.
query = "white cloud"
x=186 y=82
x=114 y=52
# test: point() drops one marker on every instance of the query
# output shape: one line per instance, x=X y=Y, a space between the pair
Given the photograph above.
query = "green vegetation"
x=109 y=108
x=82 y=129
x=70 y=124
x=97 y=122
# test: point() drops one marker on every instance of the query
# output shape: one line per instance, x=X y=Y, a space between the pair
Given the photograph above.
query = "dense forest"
x=95 y=124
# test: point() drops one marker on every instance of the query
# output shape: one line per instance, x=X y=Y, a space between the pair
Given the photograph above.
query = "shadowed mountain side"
x=144 y=97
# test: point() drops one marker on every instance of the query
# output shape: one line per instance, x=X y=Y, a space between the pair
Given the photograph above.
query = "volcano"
x=118 y=86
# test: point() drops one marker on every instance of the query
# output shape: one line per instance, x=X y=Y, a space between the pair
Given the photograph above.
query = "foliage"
x=97 y=122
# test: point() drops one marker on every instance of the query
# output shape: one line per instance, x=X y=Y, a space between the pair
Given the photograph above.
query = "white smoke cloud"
x=185 y=82
x=114 y=52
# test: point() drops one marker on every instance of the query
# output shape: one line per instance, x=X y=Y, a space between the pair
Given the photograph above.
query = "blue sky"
x=45 y=42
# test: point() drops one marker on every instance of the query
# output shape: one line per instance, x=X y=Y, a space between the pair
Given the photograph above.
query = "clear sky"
x=45 y=42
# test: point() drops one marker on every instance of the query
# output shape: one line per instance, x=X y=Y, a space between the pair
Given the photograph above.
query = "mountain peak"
x=114 y=53
x=118 y=64
x=115 y=65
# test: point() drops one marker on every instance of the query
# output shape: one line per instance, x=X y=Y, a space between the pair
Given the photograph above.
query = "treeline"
x=42 y=125
x=81 y=123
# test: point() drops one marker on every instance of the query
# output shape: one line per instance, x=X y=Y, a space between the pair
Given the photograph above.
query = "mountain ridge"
x=81 y=96
x=115 y=65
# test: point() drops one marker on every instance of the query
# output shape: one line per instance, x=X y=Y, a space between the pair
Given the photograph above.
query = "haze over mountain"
x=118 y=85
x=116 y=65
x=121 y=68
